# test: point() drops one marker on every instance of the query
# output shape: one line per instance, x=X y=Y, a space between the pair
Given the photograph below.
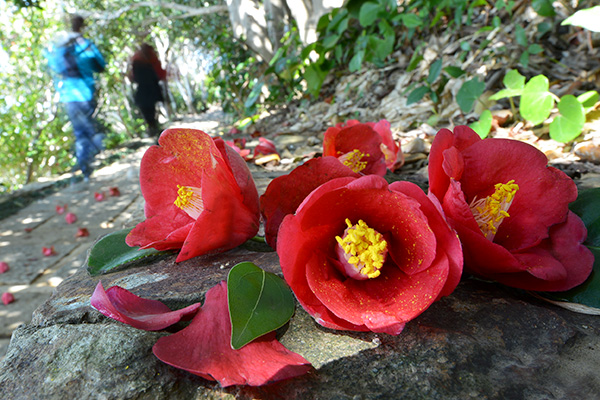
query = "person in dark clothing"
x=146 y=71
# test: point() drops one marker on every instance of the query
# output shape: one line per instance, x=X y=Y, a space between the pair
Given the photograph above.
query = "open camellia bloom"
x=510 y=210
x=200 y=196
x=150 y=315
x=285 y=193
x=203 y=348
x=366 y=148
x=363 y=255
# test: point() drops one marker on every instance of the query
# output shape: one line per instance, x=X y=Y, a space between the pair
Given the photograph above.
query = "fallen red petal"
x=82 y=232
x=99 y=196
x=48 y=251
x=3 y=267
x=114 y=191
x=150 y=315
x=7 y=298
x=70 y=218
x=204 y=349
x=61 y=209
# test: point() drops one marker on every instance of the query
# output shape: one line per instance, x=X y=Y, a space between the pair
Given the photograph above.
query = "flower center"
x=491 y=211
x=353 y=160
x=189 y=199
x=362 y=251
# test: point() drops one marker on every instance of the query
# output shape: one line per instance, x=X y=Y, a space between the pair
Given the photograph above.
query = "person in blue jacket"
x=75 y=60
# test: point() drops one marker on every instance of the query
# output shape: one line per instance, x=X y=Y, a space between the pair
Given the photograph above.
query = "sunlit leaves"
x=484 y=125
x=568 y=125
x=536 y=100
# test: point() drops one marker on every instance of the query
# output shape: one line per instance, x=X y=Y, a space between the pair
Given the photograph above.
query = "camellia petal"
x=510 y=210
x=423 y=263
x=285 y=193
x=150 y=315
x=204 y=349
x=191 y=182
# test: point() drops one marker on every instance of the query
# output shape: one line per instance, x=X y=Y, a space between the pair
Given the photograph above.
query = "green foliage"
x=484 y=125
x=433 y=86
x=111 y=252
x=259 y=302
x=537 y=103
x=587 y=18
x=468 y=94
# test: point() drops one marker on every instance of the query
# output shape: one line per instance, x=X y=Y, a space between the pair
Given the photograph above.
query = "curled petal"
x=204 y=349
x=150 y=315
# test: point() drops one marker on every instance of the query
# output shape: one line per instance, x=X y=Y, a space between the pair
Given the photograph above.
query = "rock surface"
x=483 y=341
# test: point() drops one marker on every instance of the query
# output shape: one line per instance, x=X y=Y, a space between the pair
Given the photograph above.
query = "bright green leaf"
x=569 y=124
x=368 y=14
x=543 y=7
x=411 y=20
x=587 y=18
x=417 y=94
x=259 y=302
x=414 y=61
x=111 y=252
x=514 y=80
x=588 y=99
x=469 y=93
x=536 y=100
x=484 y=125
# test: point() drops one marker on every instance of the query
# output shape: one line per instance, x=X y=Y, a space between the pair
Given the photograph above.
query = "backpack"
x=68 y=55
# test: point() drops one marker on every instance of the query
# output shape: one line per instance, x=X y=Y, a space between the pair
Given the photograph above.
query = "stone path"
x=32 y=276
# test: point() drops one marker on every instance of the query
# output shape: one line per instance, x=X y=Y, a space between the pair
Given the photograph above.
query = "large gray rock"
x=483 y=341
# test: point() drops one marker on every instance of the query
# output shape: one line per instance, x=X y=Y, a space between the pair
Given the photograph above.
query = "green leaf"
x=588 y=99
x=524 y=59
x=414 y=61
x=534 y=48
x=434 y=71
x=454 y=72
x=587 y=207
x=314 y=79
x=484 y=125
x=417 y=95
x=569 y=124
x=356 y=61
x=515 y=83
x=587 y=18
x=543 y=7
x=521 y=36
x=330 y=41
x=368 y=14
x=469 y=93
x=259 y=302
x=411 y=20
x=111 y=252
x=536 y=100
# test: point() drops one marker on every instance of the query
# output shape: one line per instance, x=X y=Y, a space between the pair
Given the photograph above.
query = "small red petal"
x=3 y=267
x=48 y=251
x=82 y=232
x=98 y=196
x=70 y=218
x=114 y=191
x=150 y=315
x=7 y=298
x=61 y=209
x=28 y=230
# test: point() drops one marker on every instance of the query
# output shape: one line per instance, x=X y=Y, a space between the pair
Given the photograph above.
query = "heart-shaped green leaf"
x=569 y=124
x=586 y=18
x=514 y=82
x=259 y=302
x=484 y=125
x=417 y=95
x=536 y=100
x=368 y=14
x=111 y=252
x=588 y=99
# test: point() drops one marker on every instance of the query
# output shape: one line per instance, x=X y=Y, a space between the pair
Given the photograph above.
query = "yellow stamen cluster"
x=365 y=246
x=189 y=199
x=490 y=211
x=353 y=160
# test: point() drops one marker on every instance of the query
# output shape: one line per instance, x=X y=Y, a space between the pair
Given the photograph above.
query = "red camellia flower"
x=363 y=255
x=510 y=210
x=7 y=298
x=367 y=148
x=150 y=315
x=70 y=218
x=48 y=251
x=204 y=349
x=285 y=193
x=200 y=196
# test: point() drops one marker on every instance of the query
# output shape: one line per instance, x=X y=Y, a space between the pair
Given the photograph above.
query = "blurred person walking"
x=75 y=60
x=146 y=71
